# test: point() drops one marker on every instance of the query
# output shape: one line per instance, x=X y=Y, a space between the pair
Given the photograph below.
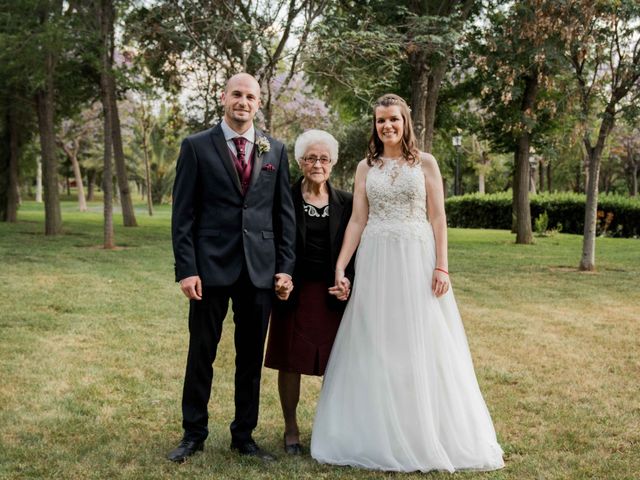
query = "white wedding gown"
x=400 y=392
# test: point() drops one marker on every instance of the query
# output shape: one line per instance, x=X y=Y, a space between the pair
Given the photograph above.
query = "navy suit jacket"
x=216 y=229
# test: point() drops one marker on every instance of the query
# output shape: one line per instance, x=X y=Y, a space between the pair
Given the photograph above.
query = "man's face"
x=241 y=100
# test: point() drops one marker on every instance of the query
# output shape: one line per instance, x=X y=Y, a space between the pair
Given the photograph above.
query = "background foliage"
x=618 y=216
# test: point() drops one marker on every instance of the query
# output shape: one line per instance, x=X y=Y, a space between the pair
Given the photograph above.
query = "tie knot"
x=240 y=143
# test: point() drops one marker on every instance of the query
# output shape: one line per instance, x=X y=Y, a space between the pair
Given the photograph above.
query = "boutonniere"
x=269 y=167
x=263 y=145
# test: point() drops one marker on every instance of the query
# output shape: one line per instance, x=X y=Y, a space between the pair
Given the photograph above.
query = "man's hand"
x=192 y=287
x=283 y=285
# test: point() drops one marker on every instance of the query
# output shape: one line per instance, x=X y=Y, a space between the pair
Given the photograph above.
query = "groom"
x=233 y=233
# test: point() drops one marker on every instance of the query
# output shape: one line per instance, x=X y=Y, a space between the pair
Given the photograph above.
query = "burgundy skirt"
x=301 y=337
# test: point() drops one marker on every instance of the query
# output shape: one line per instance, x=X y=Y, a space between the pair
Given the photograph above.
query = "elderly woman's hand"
x=342 y=286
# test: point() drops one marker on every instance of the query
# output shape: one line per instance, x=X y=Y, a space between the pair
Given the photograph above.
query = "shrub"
x=480 y=211
x=617 y=215
x=541 y=224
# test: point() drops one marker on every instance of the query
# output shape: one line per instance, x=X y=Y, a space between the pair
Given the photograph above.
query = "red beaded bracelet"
x=442 y=270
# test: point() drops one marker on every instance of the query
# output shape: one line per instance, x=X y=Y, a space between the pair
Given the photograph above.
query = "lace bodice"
x=397 y=201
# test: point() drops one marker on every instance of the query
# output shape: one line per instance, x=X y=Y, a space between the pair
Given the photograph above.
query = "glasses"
x=311 y=160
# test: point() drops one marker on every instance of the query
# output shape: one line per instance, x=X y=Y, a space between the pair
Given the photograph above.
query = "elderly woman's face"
x=316 y=163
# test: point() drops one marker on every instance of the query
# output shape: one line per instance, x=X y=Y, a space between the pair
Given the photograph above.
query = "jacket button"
x=245 y=206
x=245 y=230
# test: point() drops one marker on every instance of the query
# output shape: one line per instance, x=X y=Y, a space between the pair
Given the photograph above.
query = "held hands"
x=342 y=287
x=192 y=287
x=283 y=285
x=440 y=282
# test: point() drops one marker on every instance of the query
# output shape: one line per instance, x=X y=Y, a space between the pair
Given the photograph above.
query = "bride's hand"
x=341 y=290
x=342 y=286
x=440 y=282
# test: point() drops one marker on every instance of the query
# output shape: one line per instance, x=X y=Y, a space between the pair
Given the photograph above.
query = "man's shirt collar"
x=229 y=133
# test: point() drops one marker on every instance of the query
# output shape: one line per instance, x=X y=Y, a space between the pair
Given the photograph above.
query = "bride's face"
x=389 y=125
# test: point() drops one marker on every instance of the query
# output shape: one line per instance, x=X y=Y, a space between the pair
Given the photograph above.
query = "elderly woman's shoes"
x=292 y=448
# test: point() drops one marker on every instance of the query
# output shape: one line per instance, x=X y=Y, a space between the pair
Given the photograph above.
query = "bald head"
x=242 y=79
x=241 y=101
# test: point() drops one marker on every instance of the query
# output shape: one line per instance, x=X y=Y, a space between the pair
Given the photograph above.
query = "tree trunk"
x=588 y=260
x=433 y=90
x=521 y=178
x=522 y=209
x=587 y=170
x=634 y=179
x=91 y=182
x=425 y=88
x=548 y=176
x=107 y=186
x=128 y=214
x=5 y=153
x=73 y=158
x=146 y=124
x=267 y=108
x=541 y=170
x=419 y=87
x=427 y=74
x=532 y=180
x=481 y=183
x=39 y=180
x=147 y=176
x=14 y=155
x=106 y=24
x=116 y=192
x=45 y=110
x=82 y=201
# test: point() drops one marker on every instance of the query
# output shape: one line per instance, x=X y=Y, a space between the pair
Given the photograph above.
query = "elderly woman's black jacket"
x=340 y=206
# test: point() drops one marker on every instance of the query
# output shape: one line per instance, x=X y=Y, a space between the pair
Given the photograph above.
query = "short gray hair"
x=314 y=137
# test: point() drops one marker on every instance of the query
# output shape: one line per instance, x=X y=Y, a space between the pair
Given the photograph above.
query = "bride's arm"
x=357 y=222
x=438 y=220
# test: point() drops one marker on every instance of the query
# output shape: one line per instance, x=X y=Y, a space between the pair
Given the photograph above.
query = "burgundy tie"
x=240 y=143
x=243 y=166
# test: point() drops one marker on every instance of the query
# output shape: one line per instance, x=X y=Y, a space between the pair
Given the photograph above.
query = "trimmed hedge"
x=617 y=215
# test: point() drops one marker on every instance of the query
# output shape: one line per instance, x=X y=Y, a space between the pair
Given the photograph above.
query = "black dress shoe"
x=251 y=449
x=292 y=448
x=185 y=449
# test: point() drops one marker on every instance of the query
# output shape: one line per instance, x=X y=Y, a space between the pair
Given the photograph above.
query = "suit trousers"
x=251 y=308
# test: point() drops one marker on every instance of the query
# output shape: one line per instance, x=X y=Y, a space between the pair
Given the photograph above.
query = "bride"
x=400 y=392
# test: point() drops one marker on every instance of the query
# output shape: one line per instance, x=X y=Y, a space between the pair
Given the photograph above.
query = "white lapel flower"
x=263 y=145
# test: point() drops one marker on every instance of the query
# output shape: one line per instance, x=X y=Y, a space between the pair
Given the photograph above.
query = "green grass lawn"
x=93 y=347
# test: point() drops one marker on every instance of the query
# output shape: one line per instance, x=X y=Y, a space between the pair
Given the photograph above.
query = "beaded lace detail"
x=313 y=211
x=397 y=201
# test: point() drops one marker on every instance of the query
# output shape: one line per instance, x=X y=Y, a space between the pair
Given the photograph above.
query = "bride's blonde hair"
x=409 y=148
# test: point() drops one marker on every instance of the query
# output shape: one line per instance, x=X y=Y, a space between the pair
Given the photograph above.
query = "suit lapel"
x=335 y=218
x=257 y=159
x=223 y=151
x=298 y=204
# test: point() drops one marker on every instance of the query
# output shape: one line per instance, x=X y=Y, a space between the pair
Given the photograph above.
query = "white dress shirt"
x=230 y=134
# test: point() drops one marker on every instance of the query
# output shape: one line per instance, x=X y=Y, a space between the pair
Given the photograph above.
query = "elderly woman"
x=303 y=327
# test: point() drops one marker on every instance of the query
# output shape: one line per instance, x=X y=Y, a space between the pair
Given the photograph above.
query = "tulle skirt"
x=400 y=391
